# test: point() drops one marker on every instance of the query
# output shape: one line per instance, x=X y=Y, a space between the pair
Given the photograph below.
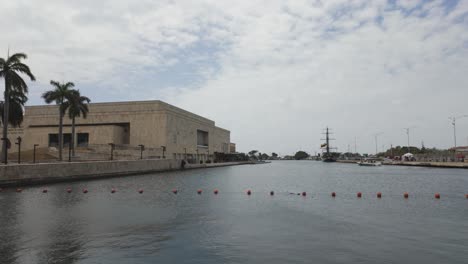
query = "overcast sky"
x=273 y=72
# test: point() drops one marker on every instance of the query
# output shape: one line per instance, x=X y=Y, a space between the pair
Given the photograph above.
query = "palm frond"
x=17 y=57
x=23 y=68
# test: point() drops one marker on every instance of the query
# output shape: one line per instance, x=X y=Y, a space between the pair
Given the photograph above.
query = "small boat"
x=369 y=162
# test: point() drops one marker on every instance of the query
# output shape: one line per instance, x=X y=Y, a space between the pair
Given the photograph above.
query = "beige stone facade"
x=151 y=123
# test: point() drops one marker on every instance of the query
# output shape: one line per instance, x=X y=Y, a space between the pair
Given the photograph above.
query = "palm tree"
x=60 y=95
x=16 y=108
x=10 y=70
x=77 y=106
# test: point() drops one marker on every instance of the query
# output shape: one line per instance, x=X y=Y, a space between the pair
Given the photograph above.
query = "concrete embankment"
x=453 y=165
x=457 y=165
x=29 y=174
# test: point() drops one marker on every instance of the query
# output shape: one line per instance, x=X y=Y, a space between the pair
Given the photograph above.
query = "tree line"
x=68 y=100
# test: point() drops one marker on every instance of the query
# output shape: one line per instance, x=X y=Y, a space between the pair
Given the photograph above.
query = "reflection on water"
x=9 y=233
x=158 y=226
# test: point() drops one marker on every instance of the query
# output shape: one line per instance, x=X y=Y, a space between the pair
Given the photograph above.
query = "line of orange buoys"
x=248 y=192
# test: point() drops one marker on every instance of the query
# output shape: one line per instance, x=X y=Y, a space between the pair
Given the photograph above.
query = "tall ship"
x=327 y=154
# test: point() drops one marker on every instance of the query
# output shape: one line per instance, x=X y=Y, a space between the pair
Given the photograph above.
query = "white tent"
x=408 y=156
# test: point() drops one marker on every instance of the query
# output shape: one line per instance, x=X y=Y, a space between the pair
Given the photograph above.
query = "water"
x=160 y=227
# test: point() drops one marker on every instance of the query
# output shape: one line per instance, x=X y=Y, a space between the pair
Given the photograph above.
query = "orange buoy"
x=272 y=193
x=174 y=191
x=215 y=191
x=333 y=194
x=44 y=191
x=359 y=195
x=19 y=190
x=304 y=193
x=199 y=191
x=113 y=190
x=85 y=190
x=437 y=195
x=69 y=190
x=406 y=195
x=140 y=190
x=379 y=195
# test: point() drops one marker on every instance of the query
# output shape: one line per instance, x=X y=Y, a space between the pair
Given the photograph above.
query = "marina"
x=113 y=222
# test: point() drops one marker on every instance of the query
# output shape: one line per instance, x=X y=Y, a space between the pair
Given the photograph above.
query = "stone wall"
x=28 y=174
x=54 y=172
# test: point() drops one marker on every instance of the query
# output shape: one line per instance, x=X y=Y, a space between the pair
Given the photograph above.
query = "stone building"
x=154 y=124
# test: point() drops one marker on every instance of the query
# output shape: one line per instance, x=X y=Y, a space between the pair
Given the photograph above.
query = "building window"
x=202 y=138
x=53 y=140
x=82 y=139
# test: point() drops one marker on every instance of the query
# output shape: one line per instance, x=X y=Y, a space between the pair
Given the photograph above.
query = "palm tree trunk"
x=60 y=136
x=73 y=137
x=6 y=108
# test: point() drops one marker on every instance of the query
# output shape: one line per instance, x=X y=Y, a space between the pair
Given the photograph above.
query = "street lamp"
x=454 y=119
x=6 y=142
x=18 y=142
x=69 y=152
x=112 y=145
x=407 y=133
x=34 y=152
x=376 y=148
x=142 y=147
x=164 y=150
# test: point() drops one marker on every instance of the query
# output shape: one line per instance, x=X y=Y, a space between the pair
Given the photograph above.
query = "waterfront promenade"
x=456 y=165
x=41 y=173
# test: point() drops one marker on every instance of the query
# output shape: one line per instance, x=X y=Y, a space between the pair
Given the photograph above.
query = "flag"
x=323 y=145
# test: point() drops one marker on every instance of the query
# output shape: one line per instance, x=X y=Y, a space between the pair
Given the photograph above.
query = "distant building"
x=232 y=147
x=153 y=124
x=460 y=152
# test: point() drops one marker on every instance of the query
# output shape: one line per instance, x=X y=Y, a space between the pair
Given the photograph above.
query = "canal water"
x=158 y=226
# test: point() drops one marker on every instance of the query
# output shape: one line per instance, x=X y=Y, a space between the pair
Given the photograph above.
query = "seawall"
x=31 y=174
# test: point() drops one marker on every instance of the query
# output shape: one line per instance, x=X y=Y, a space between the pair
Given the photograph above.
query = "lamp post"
x=5 y=158
x=408 y=134
x=18 y=142
x=164 y=150
x=69 y=152
x=142 y=147
x=454 y=120
x=34 y=152
x=112 y=145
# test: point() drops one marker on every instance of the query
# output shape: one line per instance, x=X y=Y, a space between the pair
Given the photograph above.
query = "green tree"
x=252 y=154
x=301 y=155
x=264 y=156
x=16 y=111
x=60 y=95
x=77 y=106
x=10 y=70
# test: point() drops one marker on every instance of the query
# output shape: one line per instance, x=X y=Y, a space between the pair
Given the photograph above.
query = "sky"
x=275 y=72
